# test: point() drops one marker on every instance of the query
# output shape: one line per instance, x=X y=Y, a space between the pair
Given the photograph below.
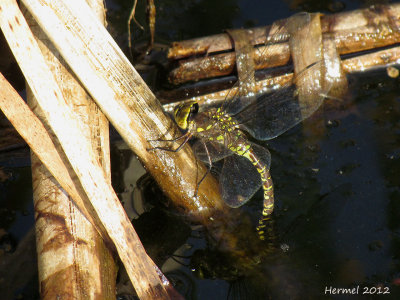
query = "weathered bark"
x=128 y=103
x=361 y=63
x=100 y=197
x=354 y=31
x=74 y=261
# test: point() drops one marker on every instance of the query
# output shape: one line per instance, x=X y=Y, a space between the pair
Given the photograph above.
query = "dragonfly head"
x=184 y=113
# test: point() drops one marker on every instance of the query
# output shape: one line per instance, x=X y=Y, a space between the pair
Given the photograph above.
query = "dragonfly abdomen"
x=268 y=205
x=245 y=150
x=265 y=221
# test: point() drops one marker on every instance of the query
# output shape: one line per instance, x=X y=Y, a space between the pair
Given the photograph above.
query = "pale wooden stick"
x=141 y=270
x=78 y=257
x=127 y=102
x=38 y=139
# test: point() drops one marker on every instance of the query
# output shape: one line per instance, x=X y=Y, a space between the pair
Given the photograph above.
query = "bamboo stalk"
x=142 y=271
x=355 y=31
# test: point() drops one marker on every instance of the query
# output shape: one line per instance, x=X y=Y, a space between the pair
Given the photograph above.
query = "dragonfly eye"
x=194 y=109
x=183 y=113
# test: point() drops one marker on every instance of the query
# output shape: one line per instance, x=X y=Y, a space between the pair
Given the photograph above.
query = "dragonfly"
x=222 y=134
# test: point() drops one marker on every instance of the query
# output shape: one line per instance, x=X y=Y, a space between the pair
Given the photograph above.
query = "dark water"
x=337 y=217
x=338 y=189
x=336 y=176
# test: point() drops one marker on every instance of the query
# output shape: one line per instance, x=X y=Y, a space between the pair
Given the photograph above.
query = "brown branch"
x=57 y=215
x=353 y=31
x=362 y=63
x=64 y=124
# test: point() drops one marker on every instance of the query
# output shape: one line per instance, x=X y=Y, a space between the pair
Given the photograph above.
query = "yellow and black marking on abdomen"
x=268 y=206
x=265 y=222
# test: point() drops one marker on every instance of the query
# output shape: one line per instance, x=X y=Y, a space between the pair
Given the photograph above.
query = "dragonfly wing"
x=271 y=114
x=239 y=179
x=242 y=94
x=209 y=151
x=274 y=113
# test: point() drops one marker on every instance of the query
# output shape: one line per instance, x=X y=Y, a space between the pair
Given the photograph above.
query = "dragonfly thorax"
x=209 y=124
x=215 y=126
x=184 y=113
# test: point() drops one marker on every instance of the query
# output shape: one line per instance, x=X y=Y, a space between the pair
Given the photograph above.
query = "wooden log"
x=127 y=102
x=355 y=31
x=364 y=21
x=142 y=271
x=361 y=63
x=68 y=245
x=38 y=139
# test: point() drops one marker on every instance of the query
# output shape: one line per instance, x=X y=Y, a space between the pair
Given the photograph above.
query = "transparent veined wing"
x=239 y=179
x=269 y=115
x=274 y=113
x=243 y=95
x=209 y=151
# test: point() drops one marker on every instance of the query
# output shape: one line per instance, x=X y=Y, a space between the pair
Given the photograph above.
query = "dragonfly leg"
x=187 y=136
x=207 y=172
x=171 y=140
